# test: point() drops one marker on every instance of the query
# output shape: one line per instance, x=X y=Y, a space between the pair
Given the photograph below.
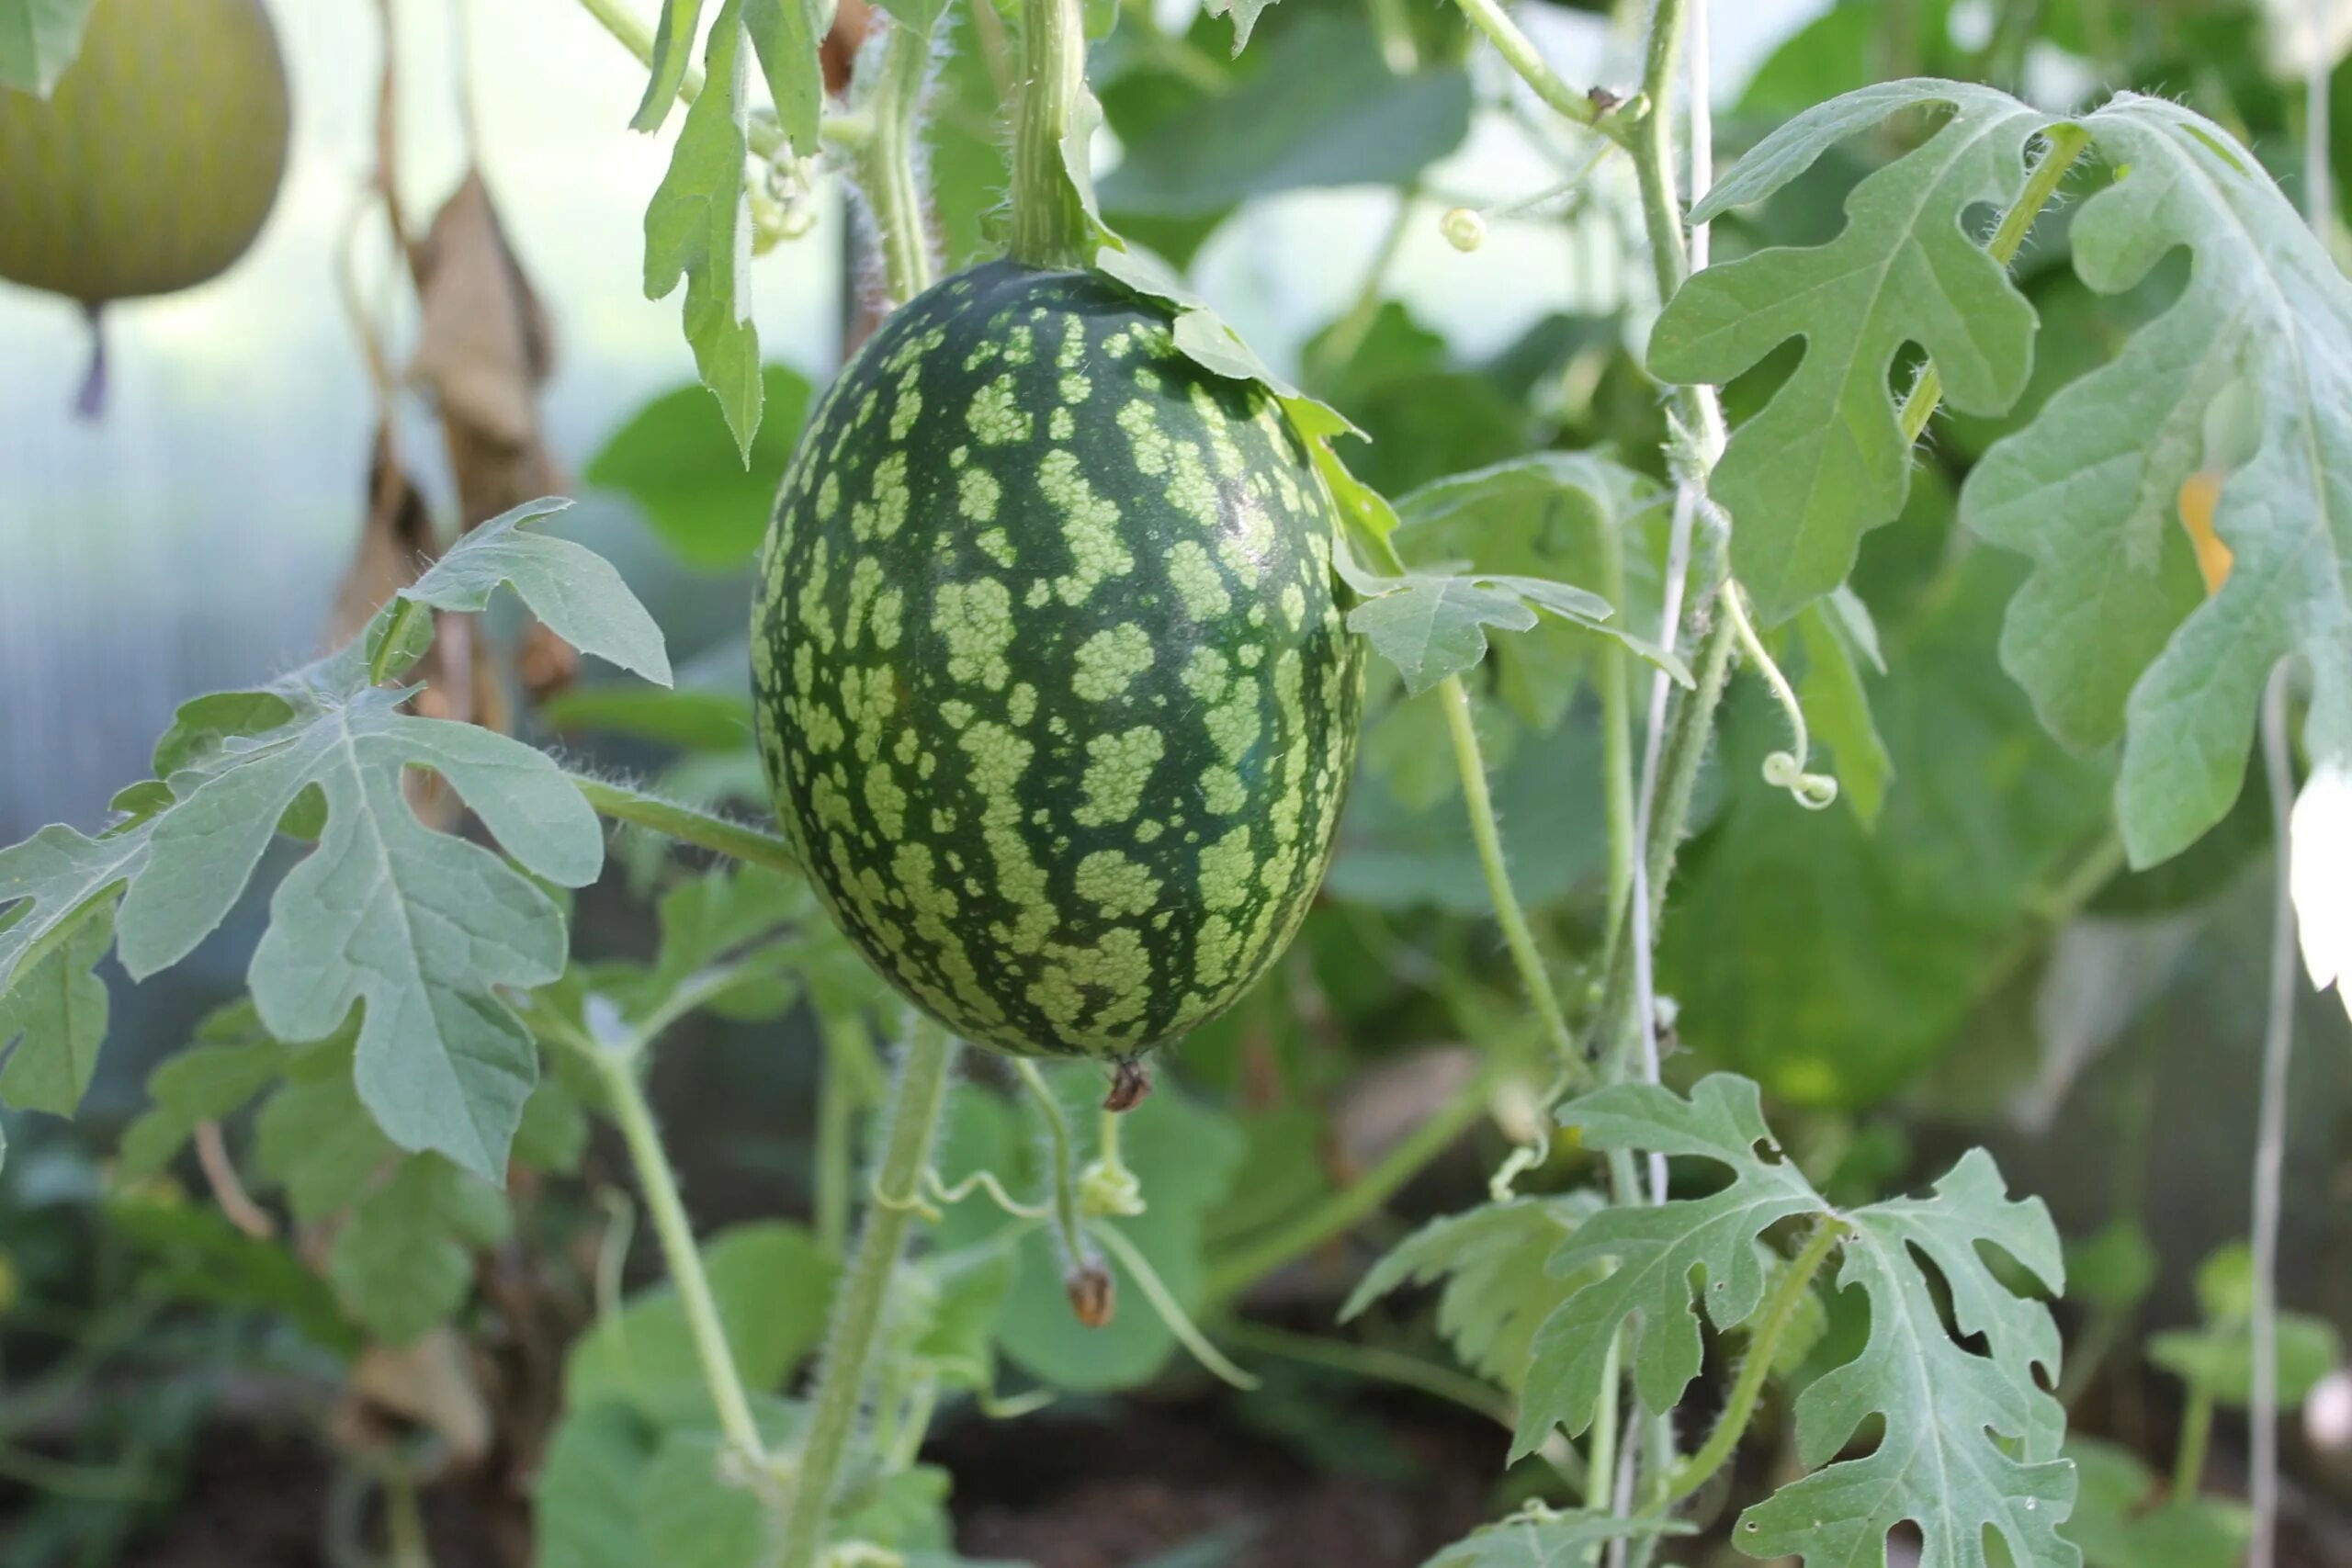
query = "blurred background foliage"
x=1952 y=954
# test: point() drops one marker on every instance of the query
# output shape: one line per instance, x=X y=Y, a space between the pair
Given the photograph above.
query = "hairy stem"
x=1487 y=834
x=1369 y=1362
x=1779 y=1310
x=1519 y=51
x=1613 y=675
x=1335 y=1214
x=634 y=1118
x=860 y=1301
x=1061 y=1164
x=1049 y=225
x=888 y=163
x=764 y=134
x=688 y=824
x=2066 y=145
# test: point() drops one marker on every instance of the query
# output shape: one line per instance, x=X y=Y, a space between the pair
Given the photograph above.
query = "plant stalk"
x=634 y=1118
x=764 y=134
x=1487 y=834
x=1235 y=1271
x=863 y=1297
x=1780 y=1310
x=2066 y=145
x=1049 y=224
x=1519 y=51
x=886 y=165
x=687 y=824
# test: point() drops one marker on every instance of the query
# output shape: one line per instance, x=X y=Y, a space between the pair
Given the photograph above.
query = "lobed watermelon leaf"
x=1969 y=1440
x=1826 y=459
x=2114 y=634
x=418 y=928
x=1538 y=1537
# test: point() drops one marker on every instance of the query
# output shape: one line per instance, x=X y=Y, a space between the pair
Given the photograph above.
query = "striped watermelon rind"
x=1053 y=684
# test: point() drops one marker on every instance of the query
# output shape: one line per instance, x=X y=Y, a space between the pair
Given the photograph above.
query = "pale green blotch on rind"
x=1053 y=686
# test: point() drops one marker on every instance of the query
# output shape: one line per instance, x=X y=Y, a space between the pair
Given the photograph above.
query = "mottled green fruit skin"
x=152 y=165
x=1052 y=686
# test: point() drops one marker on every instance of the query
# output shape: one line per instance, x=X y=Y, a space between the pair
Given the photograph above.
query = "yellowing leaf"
x=2200 y=493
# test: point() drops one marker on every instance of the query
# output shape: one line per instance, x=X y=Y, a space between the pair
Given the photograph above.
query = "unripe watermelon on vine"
x=1054 y=689
x=155 y=162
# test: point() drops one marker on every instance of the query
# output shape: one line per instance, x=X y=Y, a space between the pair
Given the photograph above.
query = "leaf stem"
x=2196 y=1435
x=864 y=1293
x=1487 y=834
x=1780 y=1310
x=840 y=1094
x=1049 y=226
x=379 y=663
x=2066 y=145
x=765 y=135
x=687 y=824
x=1519 y=51
x=1339 y=1211
x=1616 y=724
x=1169 y=1311
x=1369 y=1362
x=634 y=1117
x=888 y=164
x=1062 y=1163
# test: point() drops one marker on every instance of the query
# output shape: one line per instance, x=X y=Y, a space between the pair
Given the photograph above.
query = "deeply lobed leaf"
x=1826 y=459
x=415 y=929
x=1968 y=1439
x=2113 y=634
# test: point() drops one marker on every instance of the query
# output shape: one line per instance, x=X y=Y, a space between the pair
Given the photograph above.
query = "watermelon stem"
x=858 y=1307
x=1050 y=225
x=887 y=170
x=90 y=402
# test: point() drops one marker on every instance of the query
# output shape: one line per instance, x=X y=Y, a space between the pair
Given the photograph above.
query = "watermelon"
x=1052 y=681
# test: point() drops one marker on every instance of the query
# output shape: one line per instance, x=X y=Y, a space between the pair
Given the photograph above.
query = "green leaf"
x=38 y=38
x=404 y=1260
x=315 y=1139
x=191 y=1252
x=2113 y=634
x=234 y=1060
x=2123 y=1519
x=1323 y=110
x=570 y=588
x=1905 y=929
x=772 y=1283
x=674 y=44
x=676 y=459
x=694 y=226
x=1969 y=1442
x=553 y=1132
x=418 y=926
x=2220 y=1359
x=55 y=1018
x=786 y=35
x=1538 y=1537
x=1497 y=1287
x=699 y=1511
x=1826 y=459
x=1837 y=638
x=584 y=1502
x=1657 y=1250
x=1245 y=15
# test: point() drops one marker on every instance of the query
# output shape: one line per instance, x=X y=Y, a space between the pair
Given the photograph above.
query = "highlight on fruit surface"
x=1052 y=686
x=155 y=162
